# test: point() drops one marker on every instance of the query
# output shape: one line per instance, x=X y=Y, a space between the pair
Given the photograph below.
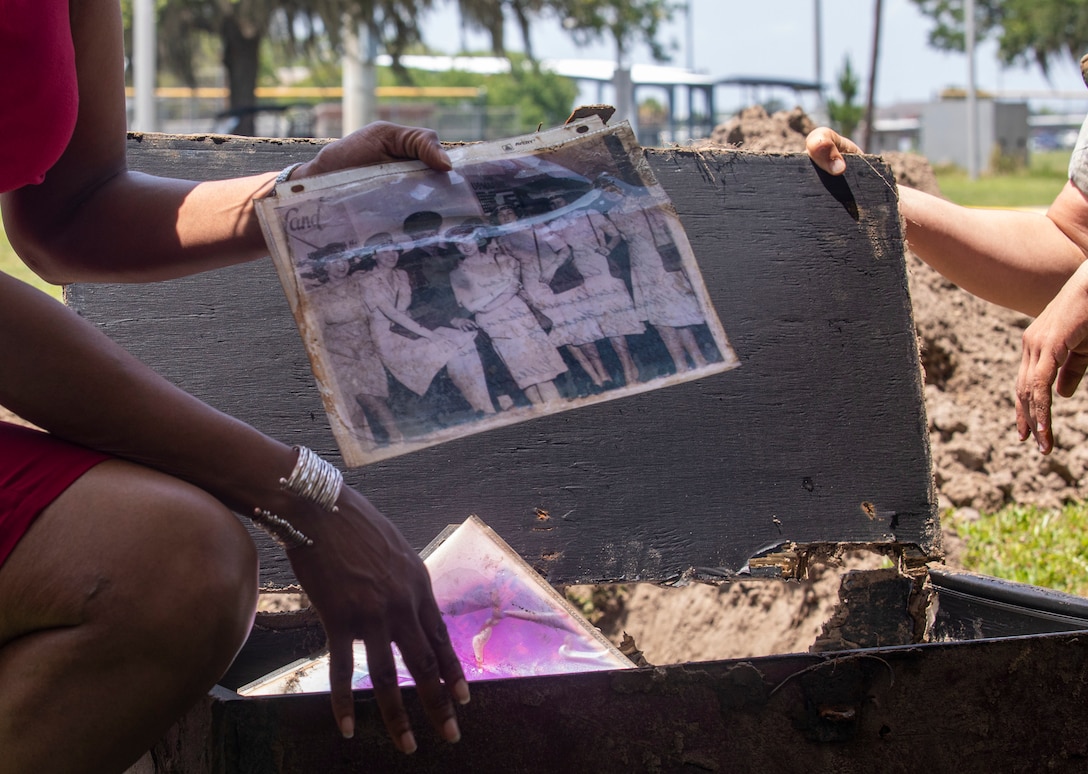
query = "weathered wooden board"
x=819 y=437
x=1011 y=705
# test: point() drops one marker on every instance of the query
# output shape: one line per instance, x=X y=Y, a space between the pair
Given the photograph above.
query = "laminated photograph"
x=543 y=273
x=503 y=619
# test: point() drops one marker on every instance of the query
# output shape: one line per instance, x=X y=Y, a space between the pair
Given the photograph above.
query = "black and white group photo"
x=542 y=274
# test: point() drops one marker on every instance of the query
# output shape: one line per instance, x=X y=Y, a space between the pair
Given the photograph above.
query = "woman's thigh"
x=123 y=603
x=121 y=533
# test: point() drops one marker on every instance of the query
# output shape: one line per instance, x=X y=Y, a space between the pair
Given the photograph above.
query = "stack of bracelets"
x=313 y=479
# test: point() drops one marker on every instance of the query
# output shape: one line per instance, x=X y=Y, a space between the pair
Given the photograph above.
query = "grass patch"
x=1035 y=186
x=10 y=264
x=1023 y=543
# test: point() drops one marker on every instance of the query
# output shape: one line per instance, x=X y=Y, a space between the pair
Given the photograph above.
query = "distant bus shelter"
x=688 y=105
x=691 y=100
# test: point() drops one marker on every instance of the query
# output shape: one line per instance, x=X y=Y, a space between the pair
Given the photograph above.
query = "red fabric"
x=39 y=96
x=35 y=468
x=39 y=100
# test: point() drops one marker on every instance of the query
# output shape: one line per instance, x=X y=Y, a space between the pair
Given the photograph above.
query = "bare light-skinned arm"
x=1031 y=262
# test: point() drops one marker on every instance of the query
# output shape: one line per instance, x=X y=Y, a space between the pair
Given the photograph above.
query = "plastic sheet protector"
x=503 y=618
x=437 y=305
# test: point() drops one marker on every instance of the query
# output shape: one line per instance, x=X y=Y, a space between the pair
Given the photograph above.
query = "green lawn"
x=1042 y=547
x=1035 y=186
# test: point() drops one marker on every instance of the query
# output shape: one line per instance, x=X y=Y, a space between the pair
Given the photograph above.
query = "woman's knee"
x=172 y=560
x=212 y=583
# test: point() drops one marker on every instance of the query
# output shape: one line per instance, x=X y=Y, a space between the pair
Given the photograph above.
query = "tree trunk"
x=241 y=58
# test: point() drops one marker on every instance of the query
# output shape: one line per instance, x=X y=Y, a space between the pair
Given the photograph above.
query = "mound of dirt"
x=752 y=129
x=741 y=619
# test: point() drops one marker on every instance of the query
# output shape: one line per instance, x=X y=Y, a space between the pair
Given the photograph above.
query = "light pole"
x=144 y=118
x=972 y=96
x=359 y=77
x=870 y=100
x=689 y=32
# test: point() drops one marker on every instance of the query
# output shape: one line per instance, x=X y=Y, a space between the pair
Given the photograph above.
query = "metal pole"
x=690 y=32
x=819 y=53
x=972 y=96
x=359 y=77
x=144 y=118
x=626 y=107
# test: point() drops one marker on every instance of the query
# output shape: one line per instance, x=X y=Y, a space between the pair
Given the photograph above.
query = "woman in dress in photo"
x=412 y=353
x=357 y=368
x=571 y=326
x=663 y=295
x=585 y=238
x=487 y=283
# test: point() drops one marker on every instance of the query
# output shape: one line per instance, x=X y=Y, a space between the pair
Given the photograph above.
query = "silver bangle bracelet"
x=314 y=479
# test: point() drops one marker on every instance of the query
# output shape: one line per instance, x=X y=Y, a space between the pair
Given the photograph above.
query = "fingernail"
x=838 y=166
x=347 y=727
x=407 y=743
x=450 y=731
x=460 y=692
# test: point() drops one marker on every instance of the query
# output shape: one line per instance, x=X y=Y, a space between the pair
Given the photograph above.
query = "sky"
x=775 y=38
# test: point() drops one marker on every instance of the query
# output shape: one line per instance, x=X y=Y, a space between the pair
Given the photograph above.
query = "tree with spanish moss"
x=1039 y=32
x=243 y=26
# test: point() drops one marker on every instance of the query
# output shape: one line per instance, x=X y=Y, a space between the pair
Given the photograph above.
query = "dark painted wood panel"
x=819 y=436
x=1007 y=705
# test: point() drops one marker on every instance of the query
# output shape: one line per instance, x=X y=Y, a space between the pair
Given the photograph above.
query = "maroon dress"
x=38 y=104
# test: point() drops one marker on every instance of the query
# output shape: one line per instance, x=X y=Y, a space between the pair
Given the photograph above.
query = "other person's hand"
x=1054 y=354
x=825 y=147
